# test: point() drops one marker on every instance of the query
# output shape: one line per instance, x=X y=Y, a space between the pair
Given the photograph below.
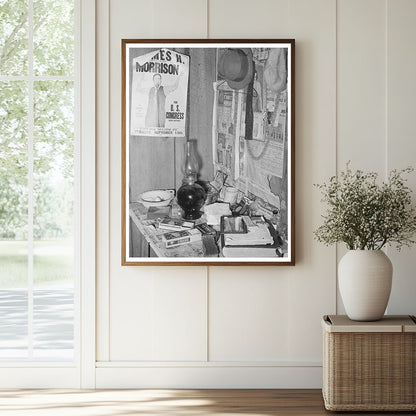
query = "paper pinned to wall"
x=257 y=166
x=226 y=127
x=159 y=94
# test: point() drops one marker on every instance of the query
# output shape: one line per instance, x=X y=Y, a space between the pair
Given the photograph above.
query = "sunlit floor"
x=163 y=402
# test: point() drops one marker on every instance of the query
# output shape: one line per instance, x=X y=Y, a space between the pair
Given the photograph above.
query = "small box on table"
x=178 y=238
x=369 y=366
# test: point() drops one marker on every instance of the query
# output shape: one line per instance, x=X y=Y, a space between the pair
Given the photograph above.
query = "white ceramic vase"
x=364 y=278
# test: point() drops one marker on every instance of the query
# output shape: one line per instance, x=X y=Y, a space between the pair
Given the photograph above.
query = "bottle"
x=175 y=211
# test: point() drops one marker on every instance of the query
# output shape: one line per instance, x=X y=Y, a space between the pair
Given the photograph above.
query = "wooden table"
x=138 y=214
x=155 y=247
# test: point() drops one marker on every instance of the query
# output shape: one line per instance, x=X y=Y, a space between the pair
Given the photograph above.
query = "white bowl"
x=157 y=197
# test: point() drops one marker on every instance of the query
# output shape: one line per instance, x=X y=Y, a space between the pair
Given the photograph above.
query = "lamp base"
x=191 y=198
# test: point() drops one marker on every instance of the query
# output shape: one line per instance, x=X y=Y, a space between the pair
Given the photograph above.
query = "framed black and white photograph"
x=208 y=152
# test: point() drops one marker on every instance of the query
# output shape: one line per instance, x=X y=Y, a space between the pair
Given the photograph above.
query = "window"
x=38 y=185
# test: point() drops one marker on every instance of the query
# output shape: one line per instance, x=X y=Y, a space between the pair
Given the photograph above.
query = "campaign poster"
x=158 y=94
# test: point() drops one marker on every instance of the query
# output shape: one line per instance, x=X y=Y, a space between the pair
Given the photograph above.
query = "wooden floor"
x=164 y=402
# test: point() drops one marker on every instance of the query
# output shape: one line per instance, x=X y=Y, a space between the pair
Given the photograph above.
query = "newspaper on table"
x=159 y=93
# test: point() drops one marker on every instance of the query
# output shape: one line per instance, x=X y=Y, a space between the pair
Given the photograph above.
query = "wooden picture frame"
x=235 y=101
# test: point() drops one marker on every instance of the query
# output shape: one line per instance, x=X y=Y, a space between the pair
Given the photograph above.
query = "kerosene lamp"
x=191 y=195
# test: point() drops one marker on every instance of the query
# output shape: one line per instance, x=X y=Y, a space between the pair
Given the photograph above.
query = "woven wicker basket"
x=369 y=366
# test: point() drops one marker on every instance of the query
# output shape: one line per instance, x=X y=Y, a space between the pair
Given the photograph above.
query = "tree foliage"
x=53 y=118
x=53 y=37
x=13 y=37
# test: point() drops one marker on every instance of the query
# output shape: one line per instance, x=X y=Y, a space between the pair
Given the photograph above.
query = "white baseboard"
x=39 y=378
x=209 y=377
x=121 y=375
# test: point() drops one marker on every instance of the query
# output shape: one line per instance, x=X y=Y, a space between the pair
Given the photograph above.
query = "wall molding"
x=204 y=364
x=207 y=377
x=41 y=377
x=103 y=179
x=87 y=194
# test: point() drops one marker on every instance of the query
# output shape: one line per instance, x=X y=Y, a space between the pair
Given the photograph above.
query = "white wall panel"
x=262 y=19
x=155 y=313
x=361 y=84
x=157 y=316
x=361 y=90
x=180 y=316
x=401 y=142
x=153 y=19
x=248 y=314
x=312 y=283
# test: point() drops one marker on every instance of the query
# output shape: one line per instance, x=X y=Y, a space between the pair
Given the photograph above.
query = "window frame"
x=81 y=371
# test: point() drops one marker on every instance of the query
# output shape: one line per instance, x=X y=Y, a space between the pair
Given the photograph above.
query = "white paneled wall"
x=255 y=312
x=161 y=317
x=361 y=88
x=361 y=84
x=401 y=132
x=254 y=326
